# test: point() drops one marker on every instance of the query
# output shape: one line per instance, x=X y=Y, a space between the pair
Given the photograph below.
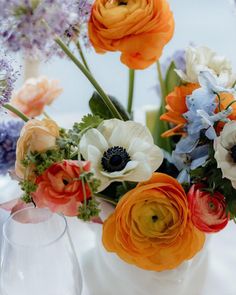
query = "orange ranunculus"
x=60 y=189
x=176 y=107
x=139 y=29
x=151 y=227
x=226 y=99
x=35 y=94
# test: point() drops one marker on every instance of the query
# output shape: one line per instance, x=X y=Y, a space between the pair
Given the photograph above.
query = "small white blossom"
x=200 y=59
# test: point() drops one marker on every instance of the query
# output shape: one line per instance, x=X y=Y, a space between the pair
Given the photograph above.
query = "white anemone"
x=225 y=152
x=120 y=151
x=200 y=59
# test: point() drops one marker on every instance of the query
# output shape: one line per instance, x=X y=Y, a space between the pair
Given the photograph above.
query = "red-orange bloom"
x=60 y=189
x=208 y=212
x=139 y=29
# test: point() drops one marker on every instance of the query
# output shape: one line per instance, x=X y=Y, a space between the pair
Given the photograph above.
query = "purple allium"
x=179 y=59
x=7 y=79
x=9 y=134
x=31 y=25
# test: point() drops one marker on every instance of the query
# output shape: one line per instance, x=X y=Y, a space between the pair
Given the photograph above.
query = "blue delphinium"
x=190 y=161
x=201 y=115
x=9 y=134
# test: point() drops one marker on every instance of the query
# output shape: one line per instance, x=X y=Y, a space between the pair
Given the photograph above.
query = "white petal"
x=94 y=156
x=125 y=132
x=95 y=138
x=107 y=127
x=118 y=175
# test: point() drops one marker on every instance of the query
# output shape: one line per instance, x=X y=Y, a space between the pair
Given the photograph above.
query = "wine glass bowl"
x=37 y=255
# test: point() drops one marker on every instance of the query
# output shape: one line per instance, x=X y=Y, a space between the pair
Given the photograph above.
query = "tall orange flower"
x=176 y=107
x=151 y=226
x=139 y=29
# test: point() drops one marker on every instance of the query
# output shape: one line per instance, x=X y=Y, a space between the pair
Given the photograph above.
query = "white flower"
x=204 y=59
x=120 y=151
x=225 y=152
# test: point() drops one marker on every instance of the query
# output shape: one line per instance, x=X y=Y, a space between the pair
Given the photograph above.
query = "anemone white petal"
x=131 y=165
x=95 y=138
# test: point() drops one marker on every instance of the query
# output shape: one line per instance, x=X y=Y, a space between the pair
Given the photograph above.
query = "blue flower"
x=201 y=115
x=9 y=134
x=189 y=161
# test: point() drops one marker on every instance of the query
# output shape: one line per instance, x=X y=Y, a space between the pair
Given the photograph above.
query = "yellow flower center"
x=153 y=218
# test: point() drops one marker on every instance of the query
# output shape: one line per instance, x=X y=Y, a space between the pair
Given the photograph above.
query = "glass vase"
x=37 y=256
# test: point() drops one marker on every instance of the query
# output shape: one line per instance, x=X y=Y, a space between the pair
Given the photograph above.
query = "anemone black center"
x=115 y=159
x=233 y=153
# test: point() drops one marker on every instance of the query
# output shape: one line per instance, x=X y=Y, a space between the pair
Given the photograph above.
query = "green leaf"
x=172 y=79
x=88 y=121
x=160 y=127
x=98 y=107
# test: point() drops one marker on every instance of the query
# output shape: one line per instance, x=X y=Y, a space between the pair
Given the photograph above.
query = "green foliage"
x=213 y=179
x=41 y=161
x=99 y=108
x=28 y=187
x=172 y=79
x=88 y=121
x=89 y=210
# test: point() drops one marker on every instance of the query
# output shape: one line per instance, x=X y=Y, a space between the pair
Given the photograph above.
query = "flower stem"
x=163 y=87
x=131 y=90
x=89 y=76
x=162 y=126
x=105 y=198
x=16 y=111
x=77 y=43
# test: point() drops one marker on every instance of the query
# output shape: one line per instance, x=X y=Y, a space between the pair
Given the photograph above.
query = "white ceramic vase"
x=106 y=274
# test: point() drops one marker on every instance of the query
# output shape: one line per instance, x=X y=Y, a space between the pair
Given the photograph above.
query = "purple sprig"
x=31 y=25
x=9 y=134
x=8 y=77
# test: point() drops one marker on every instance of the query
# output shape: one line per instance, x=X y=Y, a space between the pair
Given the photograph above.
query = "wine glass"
x=38 y=257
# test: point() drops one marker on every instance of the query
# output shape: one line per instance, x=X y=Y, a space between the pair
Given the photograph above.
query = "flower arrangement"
x=170 y=187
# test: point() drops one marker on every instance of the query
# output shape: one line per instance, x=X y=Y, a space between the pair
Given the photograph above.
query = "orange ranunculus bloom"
x=139 y=29
x=226 y=99
x=60 y=189
x=151 y=227
x=176 y=107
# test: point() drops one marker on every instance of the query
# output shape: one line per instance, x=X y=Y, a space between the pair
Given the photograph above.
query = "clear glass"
x=37 y=256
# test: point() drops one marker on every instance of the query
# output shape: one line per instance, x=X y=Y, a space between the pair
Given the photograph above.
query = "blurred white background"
x=202 y=22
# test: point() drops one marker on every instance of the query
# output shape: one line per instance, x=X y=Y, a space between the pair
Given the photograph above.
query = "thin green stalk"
x=77 y=43
x=163 y=87
x=104 y=198
x=83 y=69
x=162 y=126
x=131 y=90
x=16 y=111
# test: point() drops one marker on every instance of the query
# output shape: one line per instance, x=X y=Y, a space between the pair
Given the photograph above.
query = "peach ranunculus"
x=60 y=189
x=36 y=136
x=151 y=227
x=176 y=107
x=139 y=29
x=35 y=94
